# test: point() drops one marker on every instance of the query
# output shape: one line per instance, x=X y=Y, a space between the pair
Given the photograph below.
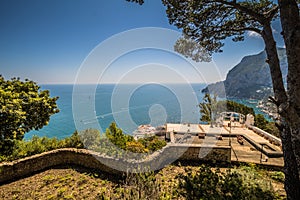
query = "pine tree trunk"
x=292 y=182
x=274 y=65
x=290 y=22
x=289 y=109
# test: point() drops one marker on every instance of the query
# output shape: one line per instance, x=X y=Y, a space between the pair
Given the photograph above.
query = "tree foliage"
x=209 y=22
x=191 y=49
x=212 y=107
x=117 y=137
x=23 y=107
x=265 y=125
x=206 y=23
x=232 y=106
x=260 y=122
x=207 y=108
x=127 y=142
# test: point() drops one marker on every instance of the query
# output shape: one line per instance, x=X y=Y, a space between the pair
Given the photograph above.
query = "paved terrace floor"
x=244 y=153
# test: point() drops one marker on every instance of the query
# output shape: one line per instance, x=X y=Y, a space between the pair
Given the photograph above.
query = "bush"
x=141 y=186
x=7 y=147
x=127 y=142
x=272 y=129
x=90 y=139
x=265 y=125
x=136 y=147
x=152 y=143
x=74 y=141
x=38 y=145
x=260 y=121
x=156 y=144
x=208 y=184
x=117 y=137
x=202 y=184
x=277 y=176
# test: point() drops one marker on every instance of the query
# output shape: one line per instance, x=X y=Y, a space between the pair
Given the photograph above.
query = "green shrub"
x=205 y=183
x=201 y=184
x=36 y=145
x=272 y=129
x=152 y=143
x=141 y=186
x=90 y=138
x=73 y=142
x=156 y=144
x=117 y=137
x=232 y=106
x=27 y=148
x=260 y=122
x=265 y=125
x=277 y=176
x=136 y=147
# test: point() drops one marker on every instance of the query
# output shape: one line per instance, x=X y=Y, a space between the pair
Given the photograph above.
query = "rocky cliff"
x=250 y=78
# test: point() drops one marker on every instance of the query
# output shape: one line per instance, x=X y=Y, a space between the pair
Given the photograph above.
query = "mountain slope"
x=250 y=78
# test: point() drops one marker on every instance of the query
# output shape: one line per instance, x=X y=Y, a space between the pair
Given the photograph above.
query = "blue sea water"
x=128 y=105
x=97 y=106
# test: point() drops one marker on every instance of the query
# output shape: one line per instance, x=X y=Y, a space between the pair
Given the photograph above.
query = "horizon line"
x=134 y=83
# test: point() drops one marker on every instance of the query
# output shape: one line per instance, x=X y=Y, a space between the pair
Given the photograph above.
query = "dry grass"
x=73 y=183
x=58 y=184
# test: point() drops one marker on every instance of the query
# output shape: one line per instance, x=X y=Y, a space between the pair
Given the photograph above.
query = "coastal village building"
x=143 y=131
x=147 y=130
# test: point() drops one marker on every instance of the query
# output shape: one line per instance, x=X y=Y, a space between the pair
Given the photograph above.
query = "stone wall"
x=89 y=159
x=203 y=152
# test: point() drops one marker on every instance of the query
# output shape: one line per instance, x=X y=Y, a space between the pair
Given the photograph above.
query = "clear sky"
x=48 y=40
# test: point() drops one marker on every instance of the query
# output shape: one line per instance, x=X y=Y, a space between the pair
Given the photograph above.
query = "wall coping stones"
x=90 y=159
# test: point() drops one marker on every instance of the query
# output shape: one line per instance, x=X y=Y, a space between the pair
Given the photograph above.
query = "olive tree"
x=23 y=107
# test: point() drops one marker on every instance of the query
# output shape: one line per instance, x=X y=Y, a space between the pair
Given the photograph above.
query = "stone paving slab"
x=246 y=152
x=241 y=131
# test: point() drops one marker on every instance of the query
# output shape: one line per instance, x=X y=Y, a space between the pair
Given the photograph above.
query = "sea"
x=128 y=105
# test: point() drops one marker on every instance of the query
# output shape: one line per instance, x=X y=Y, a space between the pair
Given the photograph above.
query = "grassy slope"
x=74 y=183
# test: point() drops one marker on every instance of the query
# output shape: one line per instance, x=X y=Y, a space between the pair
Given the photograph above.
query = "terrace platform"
x=256 y=148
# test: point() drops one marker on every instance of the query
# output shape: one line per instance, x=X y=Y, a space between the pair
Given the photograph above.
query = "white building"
x=145 y=130
x=231 y=119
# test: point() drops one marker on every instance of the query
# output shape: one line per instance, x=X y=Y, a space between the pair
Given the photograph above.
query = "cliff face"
x=250 y=78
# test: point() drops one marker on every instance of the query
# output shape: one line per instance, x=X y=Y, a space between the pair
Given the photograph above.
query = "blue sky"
x=48 y=40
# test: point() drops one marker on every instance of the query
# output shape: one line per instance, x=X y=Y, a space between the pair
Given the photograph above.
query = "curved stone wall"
x=16 y=169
